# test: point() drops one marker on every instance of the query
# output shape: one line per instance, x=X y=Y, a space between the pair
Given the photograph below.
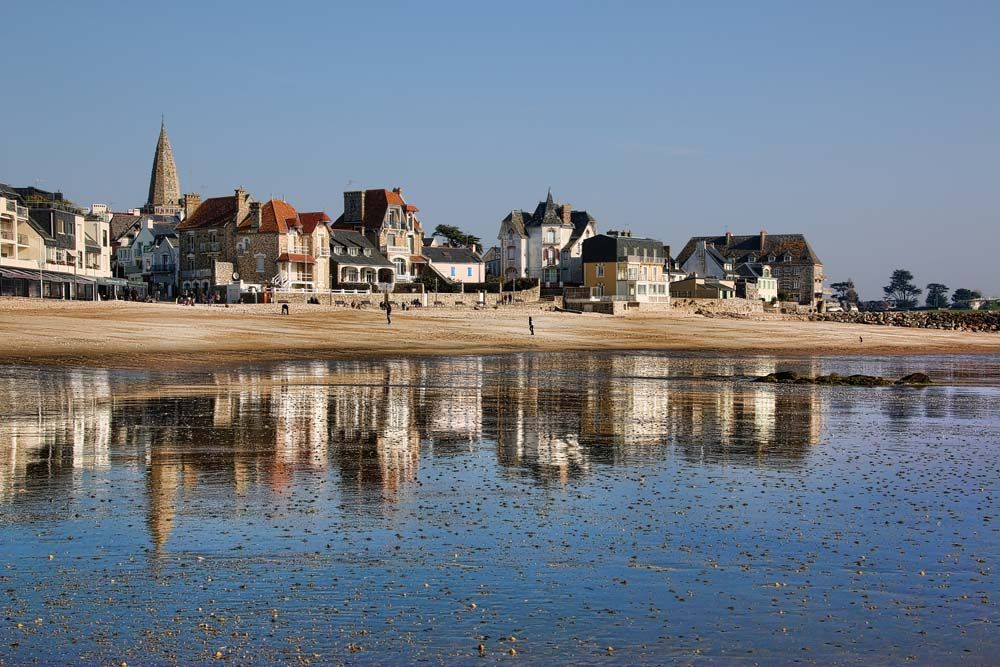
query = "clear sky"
x=873 y=128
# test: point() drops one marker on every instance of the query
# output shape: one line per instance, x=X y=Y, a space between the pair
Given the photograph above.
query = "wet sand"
x=133 y=335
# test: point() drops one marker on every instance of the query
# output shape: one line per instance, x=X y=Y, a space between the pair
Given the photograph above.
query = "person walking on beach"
x=861 y=340
x=388 y=310
x=531 y=326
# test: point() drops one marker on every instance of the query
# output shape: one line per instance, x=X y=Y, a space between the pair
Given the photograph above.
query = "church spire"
x=164 y=186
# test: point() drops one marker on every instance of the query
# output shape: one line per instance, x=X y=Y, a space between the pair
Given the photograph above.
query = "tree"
x=960 y=298
x=937 y=295
x=901 y=290
x=456 y=237
x=845 y=291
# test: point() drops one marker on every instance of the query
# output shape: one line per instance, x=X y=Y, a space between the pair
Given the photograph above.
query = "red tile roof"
x=213 y=212
x=294 y=257
x=310 y=220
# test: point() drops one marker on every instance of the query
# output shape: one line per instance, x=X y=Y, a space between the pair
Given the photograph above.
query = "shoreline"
x=165 y=336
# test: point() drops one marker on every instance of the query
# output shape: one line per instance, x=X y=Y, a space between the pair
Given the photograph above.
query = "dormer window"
x=338 y=250
x=368 y=252
x=770 y=258
x=788 y=256
x=353 y=252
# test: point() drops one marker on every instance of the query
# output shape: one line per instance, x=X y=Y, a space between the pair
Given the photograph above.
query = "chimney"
x=354 y=206
x=398 y=191
x=255 y=214
x=763 y=240
x=729 y=238
x=242 y=203
x=567 y=211
x=191 y=203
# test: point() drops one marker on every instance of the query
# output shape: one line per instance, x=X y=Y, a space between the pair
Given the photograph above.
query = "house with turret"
x=546 y=245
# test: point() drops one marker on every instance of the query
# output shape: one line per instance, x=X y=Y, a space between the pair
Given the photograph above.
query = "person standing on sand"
x=531 y=326
x=861 y=340
x=388 y=310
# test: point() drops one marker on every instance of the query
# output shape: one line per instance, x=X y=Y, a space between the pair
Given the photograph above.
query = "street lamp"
x=41 y=263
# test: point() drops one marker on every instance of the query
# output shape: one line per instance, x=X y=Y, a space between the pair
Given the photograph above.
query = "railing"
x=164 y=268
x=11 y=205
x=209 y=247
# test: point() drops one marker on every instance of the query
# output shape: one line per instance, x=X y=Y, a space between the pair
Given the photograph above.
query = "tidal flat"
x=535 y=508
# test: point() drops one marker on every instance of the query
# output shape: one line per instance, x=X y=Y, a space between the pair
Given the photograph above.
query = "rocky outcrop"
x=948 y=320
x=835 y=379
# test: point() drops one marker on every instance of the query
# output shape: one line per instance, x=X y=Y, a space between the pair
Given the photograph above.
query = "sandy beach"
x=137 y=335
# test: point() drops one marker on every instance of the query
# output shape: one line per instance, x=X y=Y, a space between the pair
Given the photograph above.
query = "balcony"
x=7 y=235
x=164 y=268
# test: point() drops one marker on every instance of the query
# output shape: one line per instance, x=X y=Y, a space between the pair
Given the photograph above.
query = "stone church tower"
x=164 y=186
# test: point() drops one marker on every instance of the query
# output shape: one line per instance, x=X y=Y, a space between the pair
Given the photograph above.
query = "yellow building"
x=618 y=266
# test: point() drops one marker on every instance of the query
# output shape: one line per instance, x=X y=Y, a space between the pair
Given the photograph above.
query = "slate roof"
x=120 y=223
x=580 y=220
x=447 y=255
x=350 y=239
x=550 y=213
x=740 y=248
x=213 y=212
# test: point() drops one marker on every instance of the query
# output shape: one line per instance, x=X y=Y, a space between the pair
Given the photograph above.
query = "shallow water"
x=410 y=510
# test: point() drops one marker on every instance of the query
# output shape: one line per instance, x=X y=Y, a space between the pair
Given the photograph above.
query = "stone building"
x=282 y=248
x=546 y=245
x=391 y=224
x=793 y=263
x=208 y=242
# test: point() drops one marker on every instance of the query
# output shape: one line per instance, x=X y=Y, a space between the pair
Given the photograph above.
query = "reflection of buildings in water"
x=536 y=422
x=53 y=424
x=448 y=403
x=746 y=423
x=624 y=405
x=374 y=439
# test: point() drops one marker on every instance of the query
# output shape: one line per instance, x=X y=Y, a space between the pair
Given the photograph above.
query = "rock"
x=915 y=378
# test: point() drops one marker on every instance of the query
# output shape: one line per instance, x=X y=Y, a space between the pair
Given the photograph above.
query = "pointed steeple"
x=164 y=186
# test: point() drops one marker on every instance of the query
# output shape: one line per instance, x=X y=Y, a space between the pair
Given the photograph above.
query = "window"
x=353 y=252
x=368 y=252
x=510 y=253
x=260 y=263
x=390 y=239
x=550 y=236
x=788 y=257
x=105 y=238
x=453 y=272
x=400 y=265
x=338 y=250
x=468 y=272
x=600 y=271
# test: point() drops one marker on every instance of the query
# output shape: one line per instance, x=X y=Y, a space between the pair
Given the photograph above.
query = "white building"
x=546 y=245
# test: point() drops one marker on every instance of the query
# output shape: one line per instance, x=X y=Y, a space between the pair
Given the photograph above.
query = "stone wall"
x=430 y=299
x=721 y=306
x=950 y=320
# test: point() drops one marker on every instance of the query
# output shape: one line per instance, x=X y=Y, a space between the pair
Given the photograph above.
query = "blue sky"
x=873 y=130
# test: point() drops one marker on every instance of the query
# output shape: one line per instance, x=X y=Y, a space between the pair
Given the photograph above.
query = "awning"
x=293 y=257
x=19 y=274
x=116 y=282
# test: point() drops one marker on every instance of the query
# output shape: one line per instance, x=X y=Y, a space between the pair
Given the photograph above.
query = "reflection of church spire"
x=162 y=482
